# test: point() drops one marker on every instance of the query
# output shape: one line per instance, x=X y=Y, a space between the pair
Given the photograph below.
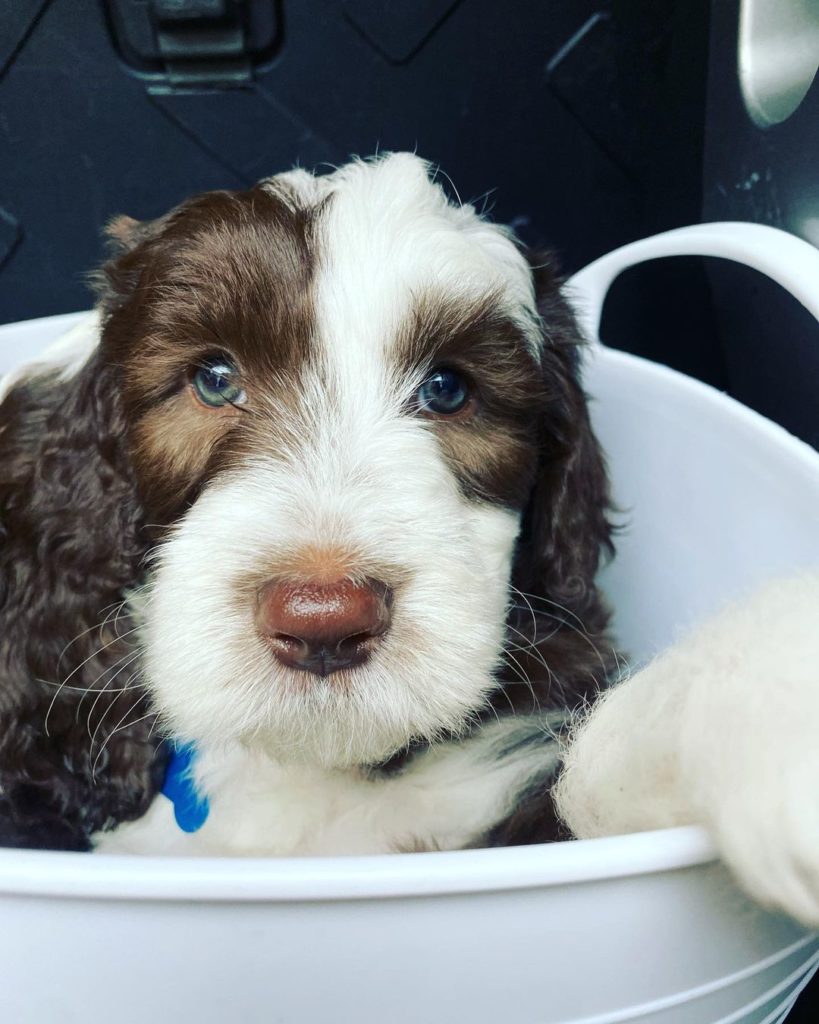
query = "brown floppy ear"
x=565 y=529
x=114 y=282
x=76 y=752
x=558 y=653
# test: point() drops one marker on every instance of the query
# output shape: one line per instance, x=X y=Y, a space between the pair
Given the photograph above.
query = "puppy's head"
x=353 y=426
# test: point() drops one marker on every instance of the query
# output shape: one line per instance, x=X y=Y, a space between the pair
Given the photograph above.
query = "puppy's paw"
x=749 y=741
x=766 y=826
x=721 y=730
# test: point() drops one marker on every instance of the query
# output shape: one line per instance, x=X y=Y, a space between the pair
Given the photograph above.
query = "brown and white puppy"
x=317 y=493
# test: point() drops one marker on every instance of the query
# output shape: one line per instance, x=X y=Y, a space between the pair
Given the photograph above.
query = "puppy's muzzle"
x=323 y=627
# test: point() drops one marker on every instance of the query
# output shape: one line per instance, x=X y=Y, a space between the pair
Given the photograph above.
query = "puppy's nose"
x=323 y=627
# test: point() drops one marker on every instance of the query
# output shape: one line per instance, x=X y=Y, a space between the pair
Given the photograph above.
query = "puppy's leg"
x=721 y=730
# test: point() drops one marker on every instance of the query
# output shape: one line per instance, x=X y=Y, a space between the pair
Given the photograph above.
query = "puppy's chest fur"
x=449 y=796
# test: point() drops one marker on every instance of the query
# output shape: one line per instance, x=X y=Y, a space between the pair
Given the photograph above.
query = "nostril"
x=290 y=644
x=350 y=646
x=357 y=638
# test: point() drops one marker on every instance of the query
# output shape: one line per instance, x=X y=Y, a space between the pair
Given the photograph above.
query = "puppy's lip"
x=306 y=683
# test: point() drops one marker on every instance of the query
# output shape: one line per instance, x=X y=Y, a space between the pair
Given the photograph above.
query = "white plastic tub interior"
x=645 y=927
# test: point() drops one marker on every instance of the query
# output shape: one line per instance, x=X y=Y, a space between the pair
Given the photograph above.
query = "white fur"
x=721 y=730
x=213 y=677
x=450 y=795
x=389 y=234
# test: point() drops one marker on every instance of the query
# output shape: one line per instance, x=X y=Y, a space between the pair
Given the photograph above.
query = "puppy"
x=313 y=505
x=302 y=527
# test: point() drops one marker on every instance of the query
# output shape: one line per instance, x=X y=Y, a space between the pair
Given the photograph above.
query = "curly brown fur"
x=559 y=653
x=76 y=753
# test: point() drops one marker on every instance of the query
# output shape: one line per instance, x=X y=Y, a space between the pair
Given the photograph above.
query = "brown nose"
x=323 y=627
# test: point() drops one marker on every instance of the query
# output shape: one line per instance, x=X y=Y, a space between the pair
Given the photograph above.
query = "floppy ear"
x=114 y=282
x=76 y=754
x=558 y=654
x=565 y=528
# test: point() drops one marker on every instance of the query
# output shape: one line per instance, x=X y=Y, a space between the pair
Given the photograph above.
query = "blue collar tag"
x=189 y=808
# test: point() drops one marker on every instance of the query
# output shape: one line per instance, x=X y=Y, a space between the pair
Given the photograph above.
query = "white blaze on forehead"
x=388 y=236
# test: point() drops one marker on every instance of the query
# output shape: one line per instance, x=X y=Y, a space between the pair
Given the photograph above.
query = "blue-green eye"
x=215 y=382
x=443 y=393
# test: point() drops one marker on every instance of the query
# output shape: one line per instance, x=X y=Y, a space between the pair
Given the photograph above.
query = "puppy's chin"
x=341 y=725
x=357 y=717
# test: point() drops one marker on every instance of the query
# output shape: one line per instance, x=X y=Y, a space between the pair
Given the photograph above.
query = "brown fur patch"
x=558 y=639
x=492 y=448
x=223 y=273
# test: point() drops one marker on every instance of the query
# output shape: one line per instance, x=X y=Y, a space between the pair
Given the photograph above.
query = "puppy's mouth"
x=323 y=628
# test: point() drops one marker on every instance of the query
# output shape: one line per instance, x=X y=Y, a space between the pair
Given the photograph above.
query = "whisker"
x=128 y=686
x=552 y=681
x=79 y=689
x=97 y=625
x=560 y=607
x=119 y=664
x=531 y=609
x=580 y=629
x=524 y=680
x=119 y=612
x=121 y=724
x=64 y=684
x=531 y=647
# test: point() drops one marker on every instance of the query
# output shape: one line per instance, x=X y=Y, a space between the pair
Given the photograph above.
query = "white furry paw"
x=766 y=827
x=721 y=730
x=749 y=742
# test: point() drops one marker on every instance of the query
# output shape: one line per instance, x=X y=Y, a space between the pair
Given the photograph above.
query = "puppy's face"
x=335 y=393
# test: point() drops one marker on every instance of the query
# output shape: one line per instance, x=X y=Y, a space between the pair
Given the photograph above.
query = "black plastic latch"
x=188 y=43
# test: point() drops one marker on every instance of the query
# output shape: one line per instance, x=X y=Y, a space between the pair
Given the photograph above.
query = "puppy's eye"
x=443 y=393
x=214 y=382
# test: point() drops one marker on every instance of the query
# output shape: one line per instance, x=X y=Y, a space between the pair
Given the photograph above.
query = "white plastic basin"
x=646 y=928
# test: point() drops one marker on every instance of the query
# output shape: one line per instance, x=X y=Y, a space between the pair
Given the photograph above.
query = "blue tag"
x=189 y=808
